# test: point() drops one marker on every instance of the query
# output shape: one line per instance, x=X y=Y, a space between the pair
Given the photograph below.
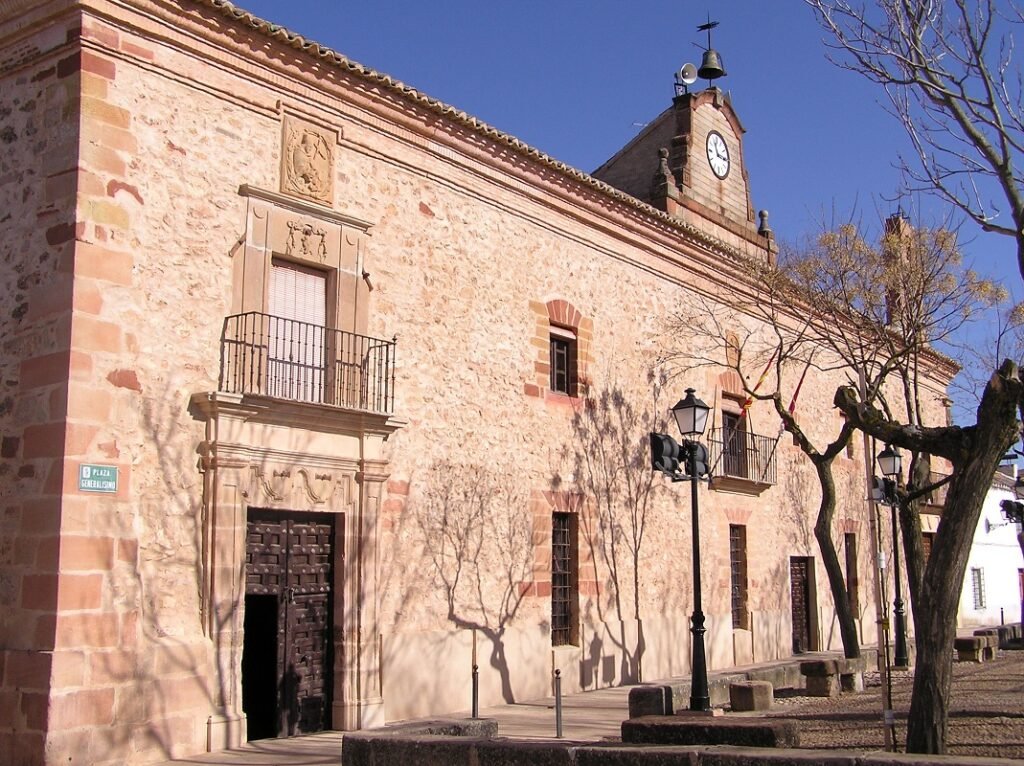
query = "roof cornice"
x=385 y=82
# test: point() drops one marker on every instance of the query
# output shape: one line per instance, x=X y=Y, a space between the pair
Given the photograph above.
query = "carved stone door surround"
x=293 y=457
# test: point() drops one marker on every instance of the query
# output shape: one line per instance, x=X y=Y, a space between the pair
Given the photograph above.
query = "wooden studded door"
x=286 y=658
x=800 y=597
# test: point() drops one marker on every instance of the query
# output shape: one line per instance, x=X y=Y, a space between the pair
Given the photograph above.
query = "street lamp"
x=691 y=416
x=890 y=462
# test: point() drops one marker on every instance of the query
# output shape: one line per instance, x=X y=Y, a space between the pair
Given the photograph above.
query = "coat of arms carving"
x=307 y=162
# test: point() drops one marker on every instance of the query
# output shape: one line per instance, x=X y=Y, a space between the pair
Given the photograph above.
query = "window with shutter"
x=297 y=304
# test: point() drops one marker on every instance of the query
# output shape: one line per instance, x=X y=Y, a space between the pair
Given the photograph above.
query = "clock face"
x=718 y=154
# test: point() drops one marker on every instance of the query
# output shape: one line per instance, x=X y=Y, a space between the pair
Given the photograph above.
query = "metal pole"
x=558 y=703
x=888 y=716
x=476 y=681
x=699 y=697
x=881 y=607
x=900 y=658
x=476 y=691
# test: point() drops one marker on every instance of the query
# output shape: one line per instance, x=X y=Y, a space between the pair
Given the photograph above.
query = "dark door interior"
x=734 y=452
x=286 y=656
x=800 y=598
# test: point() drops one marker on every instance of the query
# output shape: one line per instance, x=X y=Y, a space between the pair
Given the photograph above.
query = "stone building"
x=317 y=390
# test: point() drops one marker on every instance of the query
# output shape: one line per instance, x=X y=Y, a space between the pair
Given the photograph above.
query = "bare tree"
x=916 y=276
x=765 y=335
x=865 y=311
x=948 y=70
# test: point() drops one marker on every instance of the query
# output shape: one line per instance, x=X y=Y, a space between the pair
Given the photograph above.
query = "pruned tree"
x=948 y=70
x=974 y=453
x=867 y=312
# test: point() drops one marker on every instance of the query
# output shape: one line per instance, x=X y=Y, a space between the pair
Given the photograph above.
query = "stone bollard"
x=745 y=696
x=822 y=677
x=650 y=700
x=970 y=648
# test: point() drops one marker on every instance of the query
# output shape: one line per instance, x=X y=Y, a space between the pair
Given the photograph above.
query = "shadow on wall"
x=609 y=468
x=478 y=548
x=151 y=643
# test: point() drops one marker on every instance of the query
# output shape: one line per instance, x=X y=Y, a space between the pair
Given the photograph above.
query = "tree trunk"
x=836 y=579
x=975 y=453
x=935 y=616
x=933 y=675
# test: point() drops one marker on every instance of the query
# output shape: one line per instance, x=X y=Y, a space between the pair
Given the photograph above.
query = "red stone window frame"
x=560 y=330
x=738 y=576
x=552 y=510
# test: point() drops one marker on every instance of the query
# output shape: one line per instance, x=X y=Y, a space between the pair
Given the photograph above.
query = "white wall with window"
x=992 y=582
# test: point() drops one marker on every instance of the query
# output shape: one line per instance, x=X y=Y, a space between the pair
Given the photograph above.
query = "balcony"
x=280 y=358
x=934 y=501
x=741 y=461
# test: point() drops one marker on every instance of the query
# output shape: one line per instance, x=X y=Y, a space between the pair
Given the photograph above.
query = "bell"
x=710 y=66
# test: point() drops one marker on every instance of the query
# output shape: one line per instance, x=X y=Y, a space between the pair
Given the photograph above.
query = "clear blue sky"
x=577 y=79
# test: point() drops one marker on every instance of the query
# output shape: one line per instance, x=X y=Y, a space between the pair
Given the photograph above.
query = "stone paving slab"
x=310 y=750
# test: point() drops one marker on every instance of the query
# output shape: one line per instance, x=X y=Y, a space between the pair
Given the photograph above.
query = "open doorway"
x=286 y=650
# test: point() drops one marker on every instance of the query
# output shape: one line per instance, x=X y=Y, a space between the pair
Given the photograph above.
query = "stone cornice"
x=305 y=208
x=314 y=417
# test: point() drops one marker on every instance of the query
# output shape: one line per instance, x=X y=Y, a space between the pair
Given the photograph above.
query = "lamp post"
x=691 y=416
x=890 y=462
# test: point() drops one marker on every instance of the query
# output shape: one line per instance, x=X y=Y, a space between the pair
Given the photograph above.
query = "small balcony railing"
x=298 y=361
x=937 y=497
x=739 y=454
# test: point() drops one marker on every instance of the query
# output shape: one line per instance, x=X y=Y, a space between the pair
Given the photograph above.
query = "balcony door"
x=734 y=449
x=297 y=304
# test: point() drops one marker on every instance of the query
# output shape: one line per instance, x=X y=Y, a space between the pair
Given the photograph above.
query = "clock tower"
x=688 y=162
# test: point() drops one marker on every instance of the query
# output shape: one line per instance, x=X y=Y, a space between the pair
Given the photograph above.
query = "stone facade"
x=158 y=159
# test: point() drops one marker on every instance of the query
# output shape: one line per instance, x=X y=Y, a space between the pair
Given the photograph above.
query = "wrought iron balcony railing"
x=285 y=359
x=739 y=454
x=937 y=497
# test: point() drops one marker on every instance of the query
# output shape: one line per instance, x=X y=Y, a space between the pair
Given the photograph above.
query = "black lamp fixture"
x=691 y=416
x=890 y=463
x=1013 y=510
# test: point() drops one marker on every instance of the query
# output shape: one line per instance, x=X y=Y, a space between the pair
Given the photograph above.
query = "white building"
x=993 y=586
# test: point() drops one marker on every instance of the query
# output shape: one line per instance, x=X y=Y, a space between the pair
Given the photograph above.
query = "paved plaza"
x=986 y=719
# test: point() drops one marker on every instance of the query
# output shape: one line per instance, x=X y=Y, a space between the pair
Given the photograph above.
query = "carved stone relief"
x=306 y=240
x=272 y=485
x=299 y=488
x=319 y=485
x=307 y=160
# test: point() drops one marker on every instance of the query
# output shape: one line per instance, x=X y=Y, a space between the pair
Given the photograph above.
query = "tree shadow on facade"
x=479 y=544
x=147 y=645
x=610 y=471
